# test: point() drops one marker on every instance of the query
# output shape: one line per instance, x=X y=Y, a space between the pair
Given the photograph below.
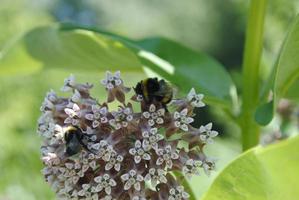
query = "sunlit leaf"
x=74 y=47
x=187 y=68
x=262 y=173
x=181 y=65
x=51 y=47
x=288 y=64
x=284 y=79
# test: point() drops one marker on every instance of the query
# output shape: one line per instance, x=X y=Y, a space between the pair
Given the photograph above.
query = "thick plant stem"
x=252 y=56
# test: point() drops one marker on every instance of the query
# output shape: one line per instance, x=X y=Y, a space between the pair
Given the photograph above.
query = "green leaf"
x=283 y=79
x=187 y=68
x=51 y=47
x=181 y=65
x=262 y=173
x=76 y=47
x=264 y=113
x=288 y=64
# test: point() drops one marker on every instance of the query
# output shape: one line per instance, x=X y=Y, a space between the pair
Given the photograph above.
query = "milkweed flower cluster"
x=129 y=154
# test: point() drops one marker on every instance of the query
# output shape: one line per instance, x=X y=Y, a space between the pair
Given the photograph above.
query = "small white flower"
x=107 y=197
x=102 y=149
x=69 y=83
x=156 y=176
x=111 y=81
x=106 y=152
x=51 y=96
x=47 y=130
x=166 y=155
x=178 y=193
x=105 y=183
x=154 y=116
x=73 y=115
x=94 y=197
x=51 y=159
x=49 y=100
x=181 y=120
x=45 y=118
x=114 y=161
x=87 y=160
x=59 y=133
x=46 y=105
x=121 y=118
x=208 y=165
x=76 y=97
x=207 y=134
x=58 y=136
x=81 y=193
x=138 y=198
x=89 y=131
x=151 y=139
x=132 y=179
x=195 y=99
x=139 y=98
x=139 y=152
x=98 y=115
x=191 y=167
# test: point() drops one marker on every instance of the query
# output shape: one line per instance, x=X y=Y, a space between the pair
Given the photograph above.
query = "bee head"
x=152 y=85
x=71 y=131
x=138 y=88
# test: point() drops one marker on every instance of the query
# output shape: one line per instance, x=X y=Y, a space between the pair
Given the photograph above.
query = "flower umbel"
x=118 y=154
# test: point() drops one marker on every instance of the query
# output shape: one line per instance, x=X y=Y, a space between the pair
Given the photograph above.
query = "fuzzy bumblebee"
x=153 y=90
x=75 y=140
x=92 y=152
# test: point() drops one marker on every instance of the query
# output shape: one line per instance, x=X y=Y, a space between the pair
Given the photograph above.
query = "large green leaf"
x=187 y=68
x=269 y=173
x=70 y=46
x=284 y=79
x=288 y=64
x=179 y=64
x=52 y=47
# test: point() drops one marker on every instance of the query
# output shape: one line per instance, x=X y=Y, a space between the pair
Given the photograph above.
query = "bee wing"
x=164 y=89
x=160 y=93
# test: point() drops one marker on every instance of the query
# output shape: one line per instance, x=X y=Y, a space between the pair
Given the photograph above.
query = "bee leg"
x=71 y=151
x=85 y=146
x=73 y=148
x=165 y=107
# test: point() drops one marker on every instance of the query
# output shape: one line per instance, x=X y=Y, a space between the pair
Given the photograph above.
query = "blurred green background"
x=216 y=27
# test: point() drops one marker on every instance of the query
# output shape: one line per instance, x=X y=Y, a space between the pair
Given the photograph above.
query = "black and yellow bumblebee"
x=154 y=90
x=75 y=140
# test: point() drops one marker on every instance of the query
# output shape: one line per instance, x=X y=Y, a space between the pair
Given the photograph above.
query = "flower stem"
x=251 y=62
x=184 y=182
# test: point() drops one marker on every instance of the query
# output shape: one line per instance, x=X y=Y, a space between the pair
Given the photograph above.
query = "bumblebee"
x=154 y=90
x=75 y=140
